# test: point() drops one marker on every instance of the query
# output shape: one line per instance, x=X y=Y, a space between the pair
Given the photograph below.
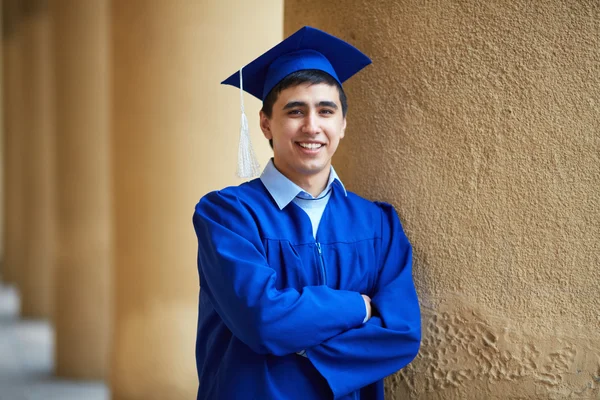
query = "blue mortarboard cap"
x=308 y=48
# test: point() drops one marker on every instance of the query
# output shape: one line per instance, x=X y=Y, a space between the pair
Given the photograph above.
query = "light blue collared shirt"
x=284 y=191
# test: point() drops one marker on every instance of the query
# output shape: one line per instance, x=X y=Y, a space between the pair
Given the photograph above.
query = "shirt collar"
x=284 y=191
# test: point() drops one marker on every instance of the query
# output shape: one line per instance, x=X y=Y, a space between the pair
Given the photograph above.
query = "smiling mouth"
x=310 y=146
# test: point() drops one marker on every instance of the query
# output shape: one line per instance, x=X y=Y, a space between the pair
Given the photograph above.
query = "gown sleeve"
x=240 y=285
x=391 y=338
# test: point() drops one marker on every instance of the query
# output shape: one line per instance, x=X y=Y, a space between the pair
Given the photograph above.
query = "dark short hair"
x=310 y=76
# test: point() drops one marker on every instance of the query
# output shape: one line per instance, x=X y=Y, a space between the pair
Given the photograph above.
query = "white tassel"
x=248 y=166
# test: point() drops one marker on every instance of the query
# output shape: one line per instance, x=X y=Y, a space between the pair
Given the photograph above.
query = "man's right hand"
x=367 y=300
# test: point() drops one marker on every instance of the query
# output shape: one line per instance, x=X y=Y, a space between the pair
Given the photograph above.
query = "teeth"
x=311 y=146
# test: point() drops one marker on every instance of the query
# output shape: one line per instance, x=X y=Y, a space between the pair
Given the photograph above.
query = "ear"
x=343 y=129
x=265 y=125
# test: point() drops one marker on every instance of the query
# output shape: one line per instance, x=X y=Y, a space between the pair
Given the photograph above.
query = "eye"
x=327 y=111
x=295 y=112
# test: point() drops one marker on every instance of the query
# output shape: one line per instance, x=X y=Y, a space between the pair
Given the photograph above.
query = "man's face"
x=306 y=126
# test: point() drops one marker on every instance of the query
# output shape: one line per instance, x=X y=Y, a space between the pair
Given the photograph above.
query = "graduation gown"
x=269 y=290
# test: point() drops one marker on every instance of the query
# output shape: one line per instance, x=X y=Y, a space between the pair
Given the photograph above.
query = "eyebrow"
x=293 y=104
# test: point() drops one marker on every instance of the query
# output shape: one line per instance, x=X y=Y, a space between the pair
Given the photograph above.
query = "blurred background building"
x=479 y=121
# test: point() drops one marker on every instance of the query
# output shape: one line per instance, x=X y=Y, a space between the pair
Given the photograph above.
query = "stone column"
x=480 y=122
x=83 y=297
x=175 y=138
x=2 y=129
x=12 y=87
x=36 y=279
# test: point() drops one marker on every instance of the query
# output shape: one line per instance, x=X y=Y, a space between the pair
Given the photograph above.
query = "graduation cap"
x=308 y=48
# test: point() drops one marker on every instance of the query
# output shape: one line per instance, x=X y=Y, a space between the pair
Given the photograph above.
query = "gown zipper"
x=322 y=264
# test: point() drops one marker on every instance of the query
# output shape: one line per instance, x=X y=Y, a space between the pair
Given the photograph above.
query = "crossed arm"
x=328 y=323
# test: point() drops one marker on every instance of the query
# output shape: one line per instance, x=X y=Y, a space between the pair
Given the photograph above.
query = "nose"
x=311 y=124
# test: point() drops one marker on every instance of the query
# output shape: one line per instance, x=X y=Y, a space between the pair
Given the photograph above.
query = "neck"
x=310 y=183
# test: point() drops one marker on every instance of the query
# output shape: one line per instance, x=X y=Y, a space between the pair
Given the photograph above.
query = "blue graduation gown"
x=270 y=290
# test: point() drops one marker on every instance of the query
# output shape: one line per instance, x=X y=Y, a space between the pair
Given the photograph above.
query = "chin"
x=312 y=168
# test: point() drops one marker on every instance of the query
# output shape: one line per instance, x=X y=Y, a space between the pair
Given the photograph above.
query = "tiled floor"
x=26 y=359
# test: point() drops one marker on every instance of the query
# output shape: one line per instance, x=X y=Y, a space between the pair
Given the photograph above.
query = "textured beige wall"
x=175 y=137
x=480 y=122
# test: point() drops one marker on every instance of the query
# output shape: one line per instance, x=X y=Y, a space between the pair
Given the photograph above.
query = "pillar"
x=175 y=137
x=479 y=122
x=12 y=75
x=36 y=279
x=83 y=274
x=2 y=129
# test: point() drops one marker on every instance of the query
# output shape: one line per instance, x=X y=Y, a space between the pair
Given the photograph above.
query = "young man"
x=306 y=288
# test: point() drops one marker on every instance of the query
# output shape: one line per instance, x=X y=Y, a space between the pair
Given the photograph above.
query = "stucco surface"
x=480 y=122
